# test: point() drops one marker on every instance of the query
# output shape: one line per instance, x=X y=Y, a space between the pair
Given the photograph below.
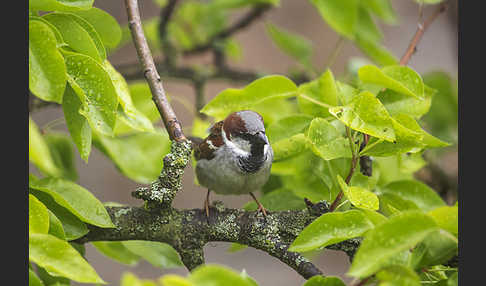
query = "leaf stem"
x=314 y=100
x=334 y=53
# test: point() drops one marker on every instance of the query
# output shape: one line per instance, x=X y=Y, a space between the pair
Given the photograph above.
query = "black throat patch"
x=254 y=162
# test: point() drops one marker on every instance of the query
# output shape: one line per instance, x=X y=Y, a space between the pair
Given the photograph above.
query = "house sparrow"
x=235 y=158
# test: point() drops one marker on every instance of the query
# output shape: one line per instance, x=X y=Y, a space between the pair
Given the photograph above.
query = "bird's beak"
x=262 y=137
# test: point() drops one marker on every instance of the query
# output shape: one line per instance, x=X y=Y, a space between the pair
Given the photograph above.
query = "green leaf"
x=378 y=53
x=47 y=71
x=417 y=192
x=61 y=150
x=326 y=141
x=234 y=247
x=33 y=279
x=216 y=275
x=278 y=200
x=358 y=196
x=401 y=232
x=138 y=156
x=366 y=27
x=428 y=140
x=60 y=41
x=77 y=124
x=132 y=117
x=391 y=204
x=94 y=88
x=55 y=226
x=292 y=44
x=116 y=251
x=76 y=199
x=381 y=8
x=142 y=99
x=397 y=103
x=73 y=227
x=437 y=248
x=130 y=279
x=443 y=115
x=105 y=25
x=78 y=34
x=173 y=280
x=401 y=79
x=230 y=100
x=331 y=228
x=322 y=90
x=38 y=216
x=446 y=218
x=59 y=5
x=39 y=153
x=366 y=114
x=324 y=281
x=289 y=147
x=58 y=256
x=398 y=275
x=374 y=217
x=346 y=93
x=157 y=253
x=287 y=126
x=342 y=15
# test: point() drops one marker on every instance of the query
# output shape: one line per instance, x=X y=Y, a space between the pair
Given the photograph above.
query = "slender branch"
x=167 y=47
x=335 y=52
x=420 y=32
x=246 y=20
x=172 y=125
x=354 y=161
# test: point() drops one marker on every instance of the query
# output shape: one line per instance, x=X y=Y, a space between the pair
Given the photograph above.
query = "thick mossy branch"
x=161 y=192
x=189 y=230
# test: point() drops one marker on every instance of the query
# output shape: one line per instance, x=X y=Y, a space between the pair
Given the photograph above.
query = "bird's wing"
x=204 y=149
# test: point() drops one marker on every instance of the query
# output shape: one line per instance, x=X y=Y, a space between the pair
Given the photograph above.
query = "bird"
x=235 y=158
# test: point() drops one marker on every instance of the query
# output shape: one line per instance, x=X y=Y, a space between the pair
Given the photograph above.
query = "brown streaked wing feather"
x=210 y=144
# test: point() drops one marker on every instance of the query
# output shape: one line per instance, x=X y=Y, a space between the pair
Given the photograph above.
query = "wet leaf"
x=417 y=192
x=58 y=256
x=39 y=153
x=76 y=199
x=94 y=88
x=398 y=275
x=61 y=149
x=326 y=141
x=78 y=34
x=105 y=25
x=287 y=126
x=55 y=226
x=158 y=254
x=358 y=196
x=289 y=147
x=400 y=232
x=38 y=216
x=47 y=71
x=216 y=275
x=77 y=124
x=447 y=218
x=230 y=100
x=331 y=228
x=366 y=114
x=401 y=79
x=116 y=251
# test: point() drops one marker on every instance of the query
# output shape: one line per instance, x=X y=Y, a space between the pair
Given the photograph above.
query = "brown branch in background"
x=167 y=47
x=172 y=125
x=246 y=20
x=419 y=33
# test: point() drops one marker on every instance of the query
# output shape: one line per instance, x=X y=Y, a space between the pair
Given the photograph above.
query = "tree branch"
x=189 y=230
x=172 y=125
x=420 y=32
x=246 y=20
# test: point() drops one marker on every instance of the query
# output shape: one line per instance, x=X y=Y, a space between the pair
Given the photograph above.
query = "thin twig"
x=238 y=25
x=172 y=125
x=335 y=52
x=354 y=161
x=167 y=47
x=419 y=33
